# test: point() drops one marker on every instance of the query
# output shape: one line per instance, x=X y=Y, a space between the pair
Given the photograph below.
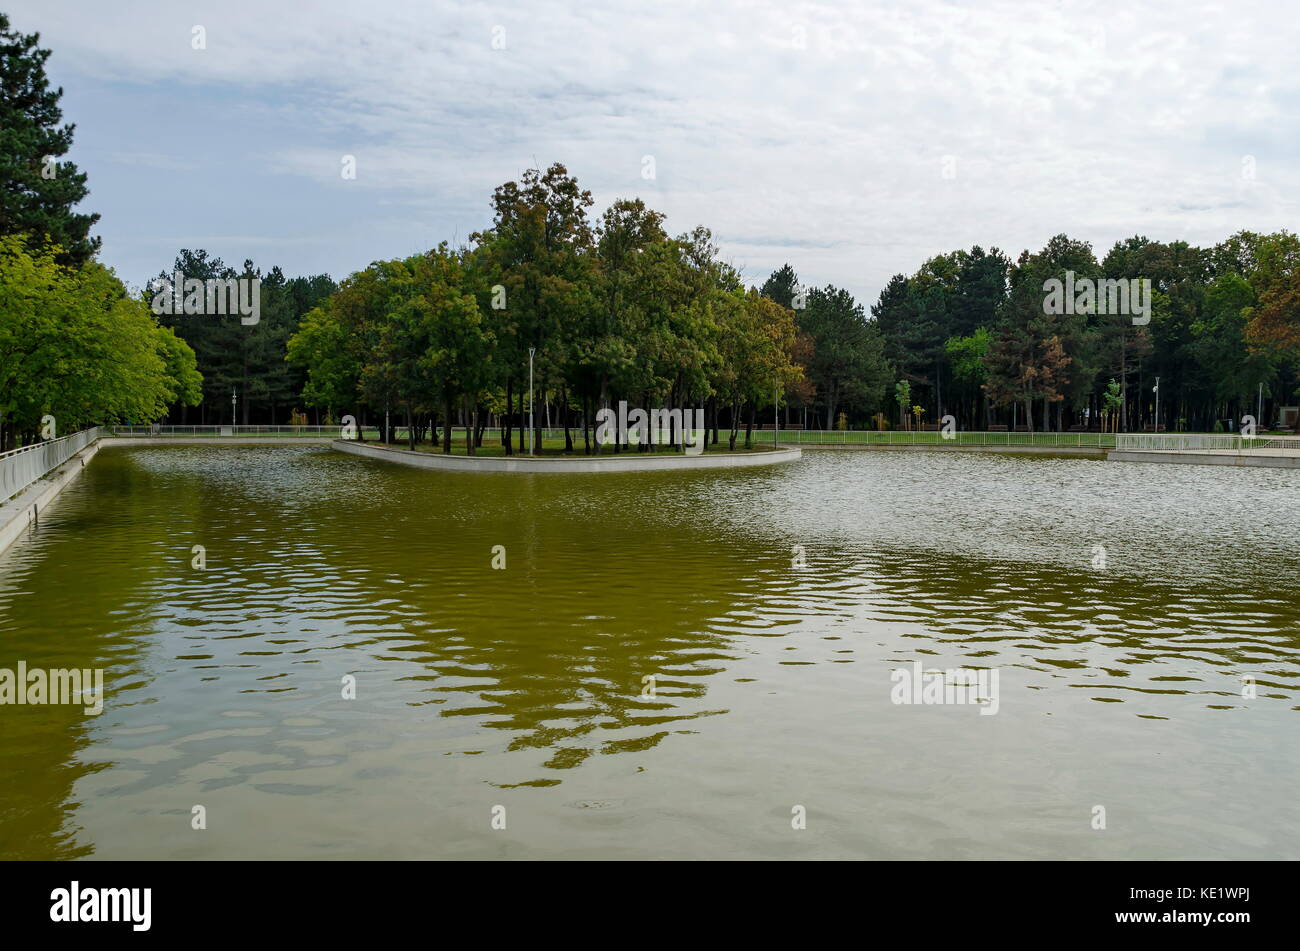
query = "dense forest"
x=239 y=360
x=969 y=334
x=616 y=309
x=966 y=335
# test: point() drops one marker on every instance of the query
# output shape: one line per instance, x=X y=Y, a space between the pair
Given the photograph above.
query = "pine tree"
x=37 y=191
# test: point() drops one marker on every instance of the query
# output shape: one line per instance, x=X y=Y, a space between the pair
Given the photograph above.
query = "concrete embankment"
x=25 y=508
x=621 y=462
x=1267 y=458
x=1086 y=452
x=1283 y=460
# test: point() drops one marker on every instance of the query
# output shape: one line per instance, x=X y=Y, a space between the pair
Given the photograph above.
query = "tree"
x=1023 y=367
x=37 y=191
x=319 y=348
x=848 y=364
x=1220 y=340
x=1112 y=403
x=449 y=340
x=966 y=356
x=539 y=247
x=781 y=286
x=248 y=358
x=74 y=346
x=903 y=397
x=756 y=338
x=1275 y=323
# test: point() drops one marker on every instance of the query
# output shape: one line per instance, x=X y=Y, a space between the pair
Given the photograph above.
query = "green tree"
x=966 y=356
x=38 y=191
x=539 y=247
x=848 y=365
x=75 y=346
x=903 y=397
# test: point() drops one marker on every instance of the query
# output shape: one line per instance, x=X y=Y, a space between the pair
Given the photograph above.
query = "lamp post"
x=1259 y=406
x=1156 y=390
x=232 y=407
x=532 y=439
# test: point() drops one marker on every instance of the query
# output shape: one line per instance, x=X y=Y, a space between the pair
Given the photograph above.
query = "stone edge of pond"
x=1082 y=452
x=23 y=510
x=619 y=463
x=1204 y=458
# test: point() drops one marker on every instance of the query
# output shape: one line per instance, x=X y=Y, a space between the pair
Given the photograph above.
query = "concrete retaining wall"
x=624 y=462
x=1086 y=452
x=1205 y=458
x=22 y=510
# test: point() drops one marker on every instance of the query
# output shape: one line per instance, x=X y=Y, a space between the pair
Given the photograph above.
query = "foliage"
x=75 y=346
x=37 y=190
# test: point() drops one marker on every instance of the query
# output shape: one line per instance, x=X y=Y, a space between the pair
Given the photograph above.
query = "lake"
x=670 y=665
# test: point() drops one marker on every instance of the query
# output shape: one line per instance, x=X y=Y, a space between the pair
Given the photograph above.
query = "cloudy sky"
x=851 y=139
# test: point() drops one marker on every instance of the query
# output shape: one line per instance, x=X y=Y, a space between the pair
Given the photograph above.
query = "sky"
x=852 y=140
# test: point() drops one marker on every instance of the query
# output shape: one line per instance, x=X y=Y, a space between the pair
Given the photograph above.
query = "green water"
x=523 y=687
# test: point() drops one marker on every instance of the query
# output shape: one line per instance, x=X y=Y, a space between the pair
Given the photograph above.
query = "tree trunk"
x=589 y=425
x=537 y=431
x=505 y=419
x=564 y=411
x=523 y=421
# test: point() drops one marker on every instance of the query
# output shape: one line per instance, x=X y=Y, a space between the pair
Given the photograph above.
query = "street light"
x=532 y=439
x=232 y=407
x=1156 y=390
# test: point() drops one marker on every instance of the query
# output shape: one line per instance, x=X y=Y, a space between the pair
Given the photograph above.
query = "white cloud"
x=812 y=132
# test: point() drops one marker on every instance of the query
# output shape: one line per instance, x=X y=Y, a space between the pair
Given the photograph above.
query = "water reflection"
x=225 y=685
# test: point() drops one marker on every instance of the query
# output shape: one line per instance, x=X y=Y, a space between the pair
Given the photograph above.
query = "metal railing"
x=371 y=432
x=1207 y=442
x=19 y=468
x=219 y=430
x=804 y=437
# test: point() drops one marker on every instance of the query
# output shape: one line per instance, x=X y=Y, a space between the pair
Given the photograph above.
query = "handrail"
x=43 y=444
x=20 y=467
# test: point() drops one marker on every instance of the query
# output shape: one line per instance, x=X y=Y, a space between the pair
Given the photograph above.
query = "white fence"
x=370 y=431
x=1206 y=442
x=932 y=437
x=19 y=468
x=333 y=432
